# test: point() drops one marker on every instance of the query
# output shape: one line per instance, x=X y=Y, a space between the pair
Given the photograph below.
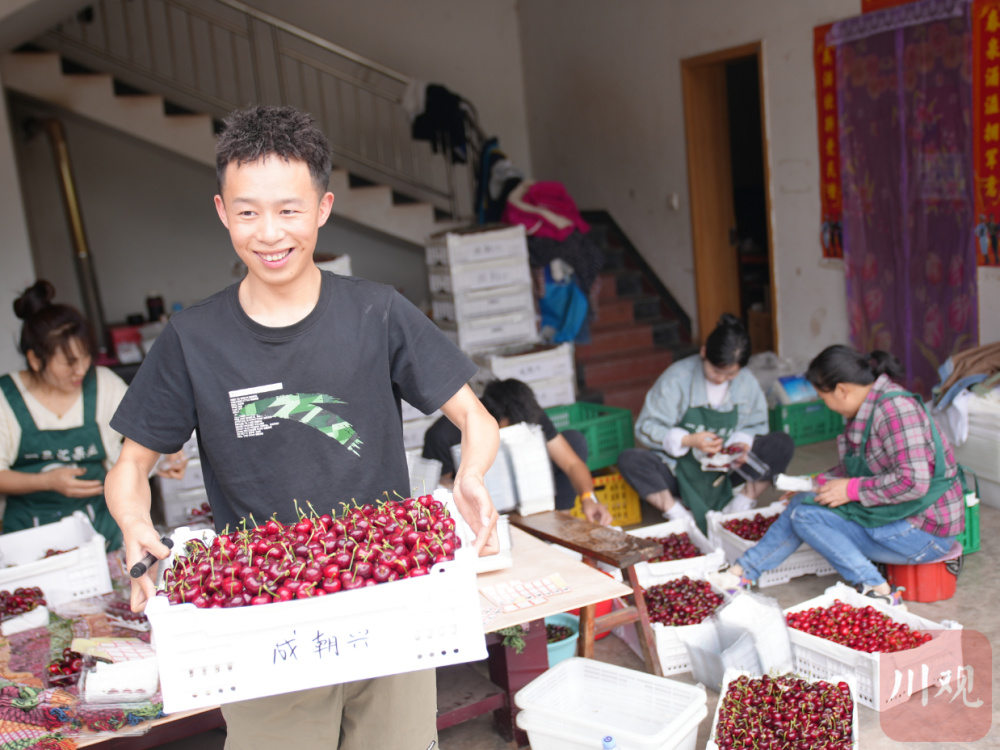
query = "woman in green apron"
x=895 y=497
x=56 y=443
x=698 y=407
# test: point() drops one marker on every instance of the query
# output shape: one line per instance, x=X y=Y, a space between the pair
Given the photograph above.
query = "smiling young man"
x=292 y=378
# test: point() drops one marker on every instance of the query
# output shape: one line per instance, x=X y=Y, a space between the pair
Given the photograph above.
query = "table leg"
x=512 y=671
x=585 y=644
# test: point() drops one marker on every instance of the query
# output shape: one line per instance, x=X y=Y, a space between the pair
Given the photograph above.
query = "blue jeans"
x=848 y=546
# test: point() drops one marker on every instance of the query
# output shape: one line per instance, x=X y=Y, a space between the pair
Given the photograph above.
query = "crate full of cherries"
x=843 y=632
x=273 y=608
x=737 y=532
x=684 y=550
x=678 y=606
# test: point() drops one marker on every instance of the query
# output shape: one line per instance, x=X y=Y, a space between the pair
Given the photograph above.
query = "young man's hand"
x=473 y=502
x=140 y=537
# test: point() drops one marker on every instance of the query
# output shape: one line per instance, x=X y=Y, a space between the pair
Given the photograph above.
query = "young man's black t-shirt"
x=308 y=412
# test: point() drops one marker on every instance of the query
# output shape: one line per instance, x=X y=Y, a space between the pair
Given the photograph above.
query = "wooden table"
x=462 y=692
x=611 y=547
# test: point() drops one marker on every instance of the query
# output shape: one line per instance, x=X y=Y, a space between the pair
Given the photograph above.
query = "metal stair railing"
x=213 y=56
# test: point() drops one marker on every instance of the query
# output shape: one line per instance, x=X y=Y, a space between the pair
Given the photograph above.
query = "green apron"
x=879 y=515
x=43 y=448
x=695 y=484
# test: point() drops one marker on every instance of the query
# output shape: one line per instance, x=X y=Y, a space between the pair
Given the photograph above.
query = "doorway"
x=728 y=184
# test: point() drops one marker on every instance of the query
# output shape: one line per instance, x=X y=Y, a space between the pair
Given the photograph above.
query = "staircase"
x=214 y=57
x=41 y=75
x=638 y=329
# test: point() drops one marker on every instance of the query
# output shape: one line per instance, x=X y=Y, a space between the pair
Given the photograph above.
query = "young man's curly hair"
x=257 y=131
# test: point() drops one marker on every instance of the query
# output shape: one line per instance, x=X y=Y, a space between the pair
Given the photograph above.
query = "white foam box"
x=193 y=477
x=79 y=572
x=483 y=303
x=557 y=391
x=531 y=363
x=177 y=506
x=819 y=659
x=425 y=473
x=414 y=431
x=711 y=559
x=409 y=412
x=341 y=265
x=469 y=277
x=35 y=618
x=670 y=639
x=208 y=657
x=477 y=243
x=580 y=701
x=733 y=674
x=480 y=334
x=804 y=561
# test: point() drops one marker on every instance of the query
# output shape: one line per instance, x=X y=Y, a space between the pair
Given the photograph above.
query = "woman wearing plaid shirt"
x=895 y=497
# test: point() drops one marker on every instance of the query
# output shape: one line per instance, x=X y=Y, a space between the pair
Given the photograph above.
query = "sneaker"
x=893 y=599
x=740 y=503
x=728 y=582
x=678 y=513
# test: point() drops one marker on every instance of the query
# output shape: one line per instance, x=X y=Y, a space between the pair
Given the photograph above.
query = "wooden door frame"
x=690 y=67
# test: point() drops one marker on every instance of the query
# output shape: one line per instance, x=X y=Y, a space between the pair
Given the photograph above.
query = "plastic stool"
x=932 y=581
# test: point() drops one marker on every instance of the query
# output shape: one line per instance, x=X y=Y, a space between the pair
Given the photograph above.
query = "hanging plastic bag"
x=563 y=308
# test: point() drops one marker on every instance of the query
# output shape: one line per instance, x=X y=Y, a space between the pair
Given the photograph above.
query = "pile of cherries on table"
x=681 y=601
x=676 y=547
x=366 y=545
x=21 y=601
x=862 y=629
x=785 y=712
x=66 y=671
x=751 y=529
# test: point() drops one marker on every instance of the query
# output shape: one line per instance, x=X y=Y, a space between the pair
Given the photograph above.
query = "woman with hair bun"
x=56 y=443
x=700 y=406
x=895 y=496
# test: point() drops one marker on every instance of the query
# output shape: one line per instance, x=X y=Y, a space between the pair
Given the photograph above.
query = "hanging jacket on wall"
x=442 y=122
x=545 y=209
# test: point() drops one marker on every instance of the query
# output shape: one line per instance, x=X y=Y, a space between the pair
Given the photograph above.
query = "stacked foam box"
x=548 y=368
x=521 y=475
x=480 y=284
x=415 y=425
x=980 y=453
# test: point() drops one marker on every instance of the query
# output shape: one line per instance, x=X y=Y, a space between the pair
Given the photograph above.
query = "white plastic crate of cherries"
x=318 y=555
x=329 y=617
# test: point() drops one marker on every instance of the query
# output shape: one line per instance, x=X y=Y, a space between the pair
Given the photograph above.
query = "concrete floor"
x=974 y=606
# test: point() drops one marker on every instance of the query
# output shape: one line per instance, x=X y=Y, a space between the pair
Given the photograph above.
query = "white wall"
x=151 y=223
x=472 y=48
x=606 y=117
x=16 y=269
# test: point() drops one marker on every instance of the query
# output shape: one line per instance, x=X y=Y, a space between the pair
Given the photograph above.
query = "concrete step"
x=622 y=338
x=629 y=394
x=612 y=313
x=620 y=367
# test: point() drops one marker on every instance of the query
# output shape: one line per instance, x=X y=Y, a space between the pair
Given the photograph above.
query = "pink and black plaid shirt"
x=900 y=454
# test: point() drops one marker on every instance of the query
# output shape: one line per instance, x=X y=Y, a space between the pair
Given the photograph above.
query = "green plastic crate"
x=809 y=422
x=608 y=429
x=970 y=536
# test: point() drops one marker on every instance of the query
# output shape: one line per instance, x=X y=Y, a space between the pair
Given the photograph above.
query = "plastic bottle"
x=608 y=743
